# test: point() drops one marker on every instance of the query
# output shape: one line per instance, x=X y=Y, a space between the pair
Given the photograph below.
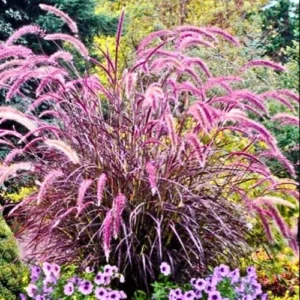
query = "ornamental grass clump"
x=138 y=170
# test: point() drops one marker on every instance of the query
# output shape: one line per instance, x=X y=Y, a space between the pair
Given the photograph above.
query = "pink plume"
x=107 y=229
x=84 y=185
x=49 y=179
x=72 y=25
x=70 y=39
x=151 y=171
x=118 y=207
x=100 y=188
x=263 y=63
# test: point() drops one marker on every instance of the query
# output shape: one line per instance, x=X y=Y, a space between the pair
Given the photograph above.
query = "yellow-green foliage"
x=278 y=271
x=20 y=195
x=13 y=274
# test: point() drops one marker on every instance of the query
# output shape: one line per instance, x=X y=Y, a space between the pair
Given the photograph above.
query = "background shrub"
x=13 y=274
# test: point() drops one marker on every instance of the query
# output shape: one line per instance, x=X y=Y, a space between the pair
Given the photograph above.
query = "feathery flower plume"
x=193 y=141
x=277 y=96
x=12 y=114
x=72 y=25
x=15 y=51
x=11 y=63
x=70 y=39
x=56 y=75
x=224 y=34
x=263 y=63
x=269 y=139
x=107 y=229
x=65 y=214
x=273 y=200
x=151 y=171
x=278 y=220
x=63 y=147
x=171 y=130
x=13 y=169
x=265 y=223
x=64 y=55
x=194 y=29
x=153 y=96
x=28 y=29
x=286 y=119
x=49 y=179
x=158 y=34
x=11 y=155
x=130 y=82
x=118 y=207
x=251 y=98
x=281 y=158
x=290 y=94
x=40 y=100
x=193 y=41
x=199 y=62
x=84 y=185
x=166 y=62
x=100 y=188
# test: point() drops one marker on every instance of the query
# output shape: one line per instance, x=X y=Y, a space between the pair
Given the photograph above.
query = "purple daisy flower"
x=214 y=296
x=100 y=293
x=251 y=272
x=264 y=297
x=99 y=278
x=48 y=284
x=165 y=269
x=76 y=280
x=69 y=289
x=210 y=288
x=47 y=268
x=200 y=284
x=176 y=294
x=39 y=297
x=223 y=270
x=113 y=295
x=189 y=295
x=107 y=280
x=85 y=287
x=234 y=276
x=31 y=290
x=108 y=270
x=55 y=269
x=193 y=281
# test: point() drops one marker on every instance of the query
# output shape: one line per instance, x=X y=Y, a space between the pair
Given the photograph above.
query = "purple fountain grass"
x=72 y=25
x=149 y=162
x=263 y=63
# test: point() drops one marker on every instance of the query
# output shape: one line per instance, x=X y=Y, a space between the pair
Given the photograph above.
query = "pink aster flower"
x=101 y=293
x=47 y=269
x=214 y=296
x=165 y=269
x=55 y=269
x=69 y=289
x=99 y=278
x=85 y=287
x=31 y=290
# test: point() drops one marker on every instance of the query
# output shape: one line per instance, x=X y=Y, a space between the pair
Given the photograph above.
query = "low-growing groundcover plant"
x=136 y=171
x=50 y=281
